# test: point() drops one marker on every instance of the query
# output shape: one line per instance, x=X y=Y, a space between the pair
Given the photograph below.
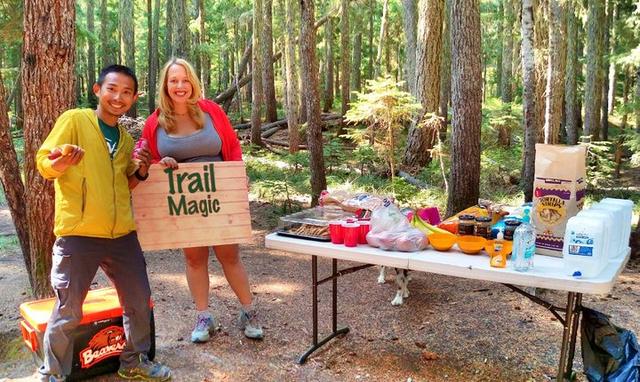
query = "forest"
x=433 y=101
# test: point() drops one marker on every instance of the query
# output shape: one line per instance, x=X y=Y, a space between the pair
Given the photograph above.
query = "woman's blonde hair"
x=167 y=114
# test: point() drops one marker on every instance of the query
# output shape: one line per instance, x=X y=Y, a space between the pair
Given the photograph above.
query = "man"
x=89 y=157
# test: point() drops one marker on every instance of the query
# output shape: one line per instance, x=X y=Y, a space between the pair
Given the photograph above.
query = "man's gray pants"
x=75 y=262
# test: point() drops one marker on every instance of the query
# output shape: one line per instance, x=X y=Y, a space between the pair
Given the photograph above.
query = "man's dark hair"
x=118 y=69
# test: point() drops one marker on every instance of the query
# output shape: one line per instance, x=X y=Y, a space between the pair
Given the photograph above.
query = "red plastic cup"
x=365 y=226
x=351 y=234
x=335 y=231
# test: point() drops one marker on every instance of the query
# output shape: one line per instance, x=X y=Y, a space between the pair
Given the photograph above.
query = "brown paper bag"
x=558 y=193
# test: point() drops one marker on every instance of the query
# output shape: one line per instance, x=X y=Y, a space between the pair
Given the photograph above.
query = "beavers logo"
x=106 y=343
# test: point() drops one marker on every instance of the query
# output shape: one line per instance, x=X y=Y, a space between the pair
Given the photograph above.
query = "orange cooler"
x=98 y=340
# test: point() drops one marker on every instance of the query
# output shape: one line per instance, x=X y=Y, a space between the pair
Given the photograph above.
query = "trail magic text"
x=186 y=183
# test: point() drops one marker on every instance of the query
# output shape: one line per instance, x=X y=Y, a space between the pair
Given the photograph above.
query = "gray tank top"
x=202 y=146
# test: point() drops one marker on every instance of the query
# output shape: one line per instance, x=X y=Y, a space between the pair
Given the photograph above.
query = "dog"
x=402 y=281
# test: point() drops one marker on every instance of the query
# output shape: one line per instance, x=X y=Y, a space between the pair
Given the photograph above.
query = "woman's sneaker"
x=249 y=323
x=146 y=370
x=205 y=326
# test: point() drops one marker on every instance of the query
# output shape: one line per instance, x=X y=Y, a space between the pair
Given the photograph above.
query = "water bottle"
x=524 y=244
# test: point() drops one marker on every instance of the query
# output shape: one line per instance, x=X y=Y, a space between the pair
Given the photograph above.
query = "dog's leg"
x=401 y=281
x=407 y=278
x=381 y=275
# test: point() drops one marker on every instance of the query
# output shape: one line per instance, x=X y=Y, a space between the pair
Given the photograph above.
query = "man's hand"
x=143 y=155
x=69 y=155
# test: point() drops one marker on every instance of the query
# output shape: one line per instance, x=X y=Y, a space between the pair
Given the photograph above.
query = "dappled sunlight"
x=278 y=287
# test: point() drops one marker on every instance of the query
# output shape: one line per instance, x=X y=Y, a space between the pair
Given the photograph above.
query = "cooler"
x=98 y=340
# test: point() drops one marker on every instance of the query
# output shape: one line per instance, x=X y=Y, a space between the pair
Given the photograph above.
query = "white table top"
x=547 y=272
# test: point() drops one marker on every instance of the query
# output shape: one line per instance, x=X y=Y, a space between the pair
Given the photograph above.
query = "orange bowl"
x=442 y=241
x=507 y=247
x=471 y=245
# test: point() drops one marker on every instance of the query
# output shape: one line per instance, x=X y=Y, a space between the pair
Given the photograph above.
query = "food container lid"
x=320 y=216
x=512 y=222
x=483 y=219
x=466 y=217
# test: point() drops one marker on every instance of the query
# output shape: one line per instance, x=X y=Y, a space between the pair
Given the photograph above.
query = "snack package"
x=390 y=230
x=352 y=202
x=142 y=143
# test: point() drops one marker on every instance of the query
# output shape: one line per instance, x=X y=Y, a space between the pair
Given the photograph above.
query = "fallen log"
x=283 y=144
x=413 y=181
x=273 y=130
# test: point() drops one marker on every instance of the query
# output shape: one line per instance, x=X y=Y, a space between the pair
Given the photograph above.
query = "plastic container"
x=312 y=223
x=335 y=231
x=617 y=226
x=524 y=245
x=351 y=234
x=627 y=217
x=611 y=237
x=97 y=341
x=510 y=227
x=466 y=225
x=583 y=249
x=365 y=227
x=483 y=227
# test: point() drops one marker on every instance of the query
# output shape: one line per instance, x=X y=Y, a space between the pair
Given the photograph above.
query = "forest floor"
x=450 y=329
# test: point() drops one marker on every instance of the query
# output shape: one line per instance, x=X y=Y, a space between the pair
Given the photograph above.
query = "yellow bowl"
x=471 y=245
x=507 y=247
x=442 y=241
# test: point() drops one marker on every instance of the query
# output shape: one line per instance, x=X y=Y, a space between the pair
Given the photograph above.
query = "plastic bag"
x=351 y=202
x=609 y=353
x=390 y=230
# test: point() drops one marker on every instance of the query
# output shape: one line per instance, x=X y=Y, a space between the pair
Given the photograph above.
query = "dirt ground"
x=450 y=329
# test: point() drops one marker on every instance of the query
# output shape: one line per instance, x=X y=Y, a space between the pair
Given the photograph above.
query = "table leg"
x=569 y=334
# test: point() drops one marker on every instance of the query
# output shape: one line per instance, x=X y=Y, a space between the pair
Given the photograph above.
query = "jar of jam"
x=466 y=224
x=483 y=227
x=510 y=226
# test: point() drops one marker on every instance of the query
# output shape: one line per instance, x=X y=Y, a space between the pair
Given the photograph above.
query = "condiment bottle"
x=466 y=224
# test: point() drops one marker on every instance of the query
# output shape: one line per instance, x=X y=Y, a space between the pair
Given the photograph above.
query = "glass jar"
x=483 y=227
x=466 y=224
x=510 y=227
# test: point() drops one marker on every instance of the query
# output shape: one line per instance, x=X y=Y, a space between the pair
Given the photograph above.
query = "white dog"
x=402 y=280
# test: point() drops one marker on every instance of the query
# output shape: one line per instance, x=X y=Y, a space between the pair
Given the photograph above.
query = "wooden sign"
x=197 y=205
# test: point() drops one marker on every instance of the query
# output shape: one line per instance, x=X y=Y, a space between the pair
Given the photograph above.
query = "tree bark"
x=507 y=52
x=256 y=81
x=445 y=70
x=410 y=27
x=108 y=53
x=345 y=57
x=291 y=77
x=91 y=54
x=540 y=44
x=372 y=9
x=267 y=62
x=637 y=103
x=328 y=61
x=593 y=86
x=628 y=80
x=614 y=21
x=604 y=115
x=555 y=72
x=205 y=59
x=48 y=62
x=12 y=182
x=312 y=98
x=128 y=41
x=181 y=34
x=154 y=62
x=529 y=99
x=356 y=81
x=168 y=42
x=428 y=53
x=466 y=105
x=571 y=76
x=500 y=37
x=383 y=35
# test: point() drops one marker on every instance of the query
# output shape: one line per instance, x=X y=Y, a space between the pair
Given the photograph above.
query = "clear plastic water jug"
x=583 y=249
x=611 y=237
x=617 y=226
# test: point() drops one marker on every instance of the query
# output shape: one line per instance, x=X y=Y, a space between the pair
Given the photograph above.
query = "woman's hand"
x=169 y=162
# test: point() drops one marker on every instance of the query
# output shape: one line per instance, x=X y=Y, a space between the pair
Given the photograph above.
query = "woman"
x=187 y=128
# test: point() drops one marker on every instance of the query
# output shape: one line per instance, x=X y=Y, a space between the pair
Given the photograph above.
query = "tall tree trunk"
x=466 y=105
x=614 y=21
x=428 y=53
x=12 y=182
x=516 y=65
x=328 y=61
x=571 y=76
x=555 y=71
x=604 y=115
x=168 y=42
x=181 y=33
x=593 y=86
x=345 y=56
x=383 y=35
x=312 y=97
x=108 y=53
x=372 y=9
x=445 y=70
x=529 y=99
x=128 y=42
x=154 y=62
x=204 y=56
x=628 y=80
x=541 y=46
x=91 y=54
x=292 y=76
x=356 y=81
x=195 y=40
x=47 y=63
x=410 y=26
x=500 y=37
x=507 y=52
x=637 y=103
x=256 y=80
x=267 y=62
